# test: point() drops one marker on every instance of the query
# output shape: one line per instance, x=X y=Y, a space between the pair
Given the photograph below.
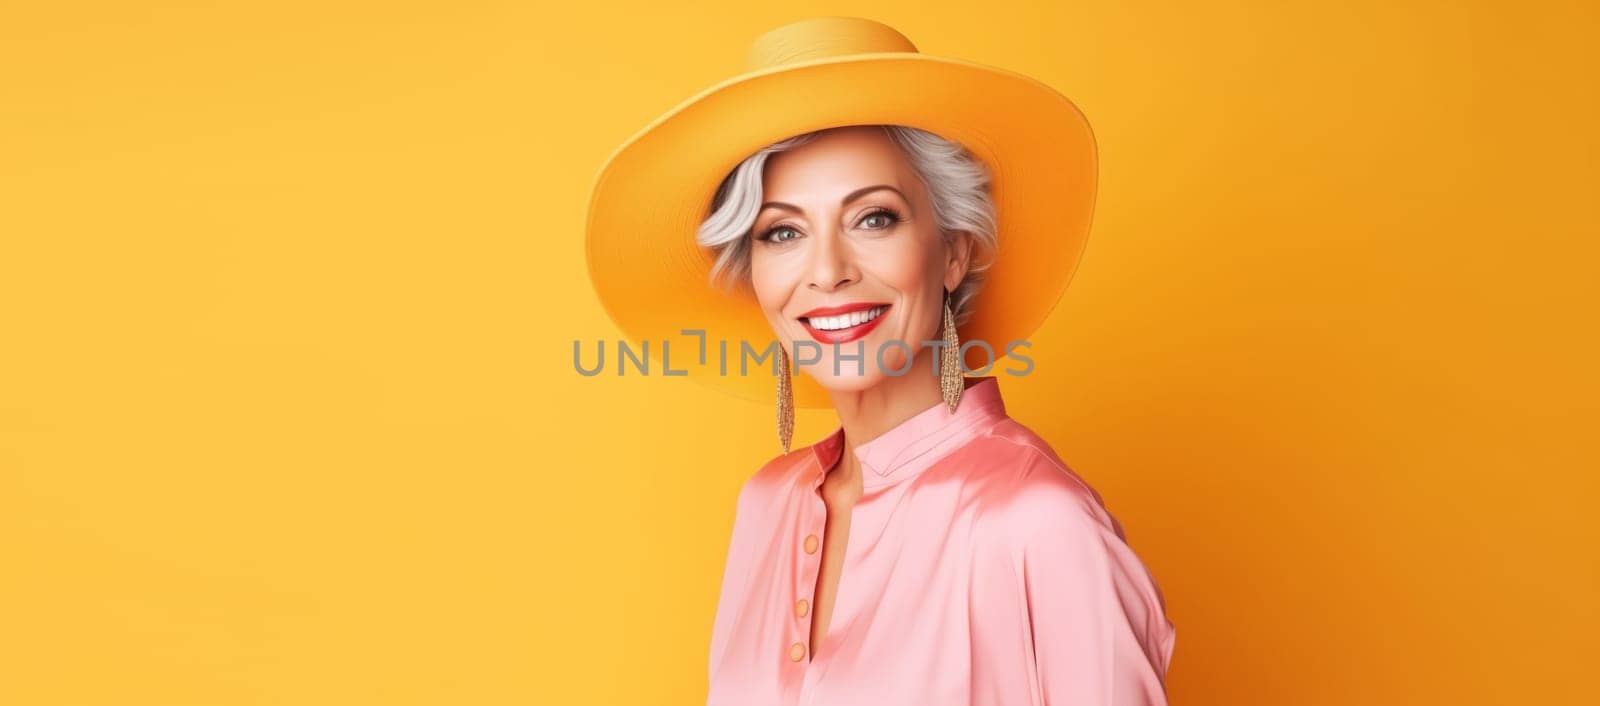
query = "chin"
x=847 y=380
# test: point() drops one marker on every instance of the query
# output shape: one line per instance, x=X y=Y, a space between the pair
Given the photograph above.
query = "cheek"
x=910 y=271
x=771 y=284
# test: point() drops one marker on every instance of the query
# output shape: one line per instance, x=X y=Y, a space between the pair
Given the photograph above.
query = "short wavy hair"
x=957 y=181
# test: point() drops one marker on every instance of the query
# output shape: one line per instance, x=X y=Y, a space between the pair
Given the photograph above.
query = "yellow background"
x=288 y=292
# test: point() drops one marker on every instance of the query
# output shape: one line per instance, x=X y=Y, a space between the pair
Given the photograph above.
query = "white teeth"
x=855 y=318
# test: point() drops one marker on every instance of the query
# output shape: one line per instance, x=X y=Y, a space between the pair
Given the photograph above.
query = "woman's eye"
x=878 y=220
x=777 y=235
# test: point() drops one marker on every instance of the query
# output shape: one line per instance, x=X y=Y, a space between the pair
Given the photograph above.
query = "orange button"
x=800 y=608
x=797 y=652
x=811 y=544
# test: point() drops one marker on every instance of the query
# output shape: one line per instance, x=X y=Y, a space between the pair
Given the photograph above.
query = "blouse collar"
x=918 y=442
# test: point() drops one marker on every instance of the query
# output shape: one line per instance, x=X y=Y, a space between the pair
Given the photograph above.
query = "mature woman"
x=931 y=550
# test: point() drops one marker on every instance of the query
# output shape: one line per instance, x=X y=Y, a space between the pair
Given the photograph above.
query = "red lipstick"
x=849 y=333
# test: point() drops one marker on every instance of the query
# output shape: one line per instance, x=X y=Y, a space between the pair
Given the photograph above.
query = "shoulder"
x=774 y=478
x=1030 y=494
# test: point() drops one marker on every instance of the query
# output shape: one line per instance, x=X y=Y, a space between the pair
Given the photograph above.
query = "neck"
x=867 y=414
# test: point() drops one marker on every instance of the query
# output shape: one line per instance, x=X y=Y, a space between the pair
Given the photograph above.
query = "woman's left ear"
x=958 y=257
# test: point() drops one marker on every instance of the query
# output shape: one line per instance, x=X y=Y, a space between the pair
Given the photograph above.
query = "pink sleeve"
x=1096 y=617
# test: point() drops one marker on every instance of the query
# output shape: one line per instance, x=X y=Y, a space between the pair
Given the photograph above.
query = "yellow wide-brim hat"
x=651 y=195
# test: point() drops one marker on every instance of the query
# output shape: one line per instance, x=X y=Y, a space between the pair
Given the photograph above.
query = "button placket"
x=810 y=546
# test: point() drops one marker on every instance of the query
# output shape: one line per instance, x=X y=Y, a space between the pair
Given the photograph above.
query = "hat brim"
x=650 y=196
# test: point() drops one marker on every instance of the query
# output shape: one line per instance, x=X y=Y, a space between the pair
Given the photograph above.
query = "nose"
x=832 y=264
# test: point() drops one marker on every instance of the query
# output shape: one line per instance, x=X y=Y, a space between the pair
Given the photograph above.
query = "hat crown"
x=823 y=37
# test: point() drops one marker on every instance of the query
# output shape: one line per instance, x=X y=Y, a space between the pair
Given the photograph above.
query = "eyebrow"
x=858 y=193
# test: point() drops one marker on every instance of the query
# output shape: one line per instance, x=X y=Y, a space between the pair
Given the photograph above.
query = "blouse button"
x=797 y=652
x=800 y=608
x=811 y=544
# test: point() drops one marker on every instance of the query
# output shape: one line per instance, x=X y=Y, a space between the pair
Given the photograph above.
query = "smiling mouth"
x=844 y=327
x=843 y=321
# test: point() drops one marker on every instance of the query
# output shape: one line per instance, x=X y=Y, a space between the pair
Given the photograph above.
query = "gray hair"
x=956 y=180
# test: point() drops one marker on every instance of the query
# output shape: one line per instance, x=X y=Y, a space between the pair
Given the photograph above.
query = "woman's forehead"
x=835 y=164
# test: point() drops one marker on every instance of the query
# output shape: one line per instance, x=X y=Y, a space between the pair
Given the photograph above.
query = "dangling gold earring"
x=785 y=401
x=951 y=378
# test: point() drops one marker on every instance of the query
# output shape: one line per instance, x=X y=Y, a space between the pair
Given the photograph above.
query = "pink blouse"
x=979 y=570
